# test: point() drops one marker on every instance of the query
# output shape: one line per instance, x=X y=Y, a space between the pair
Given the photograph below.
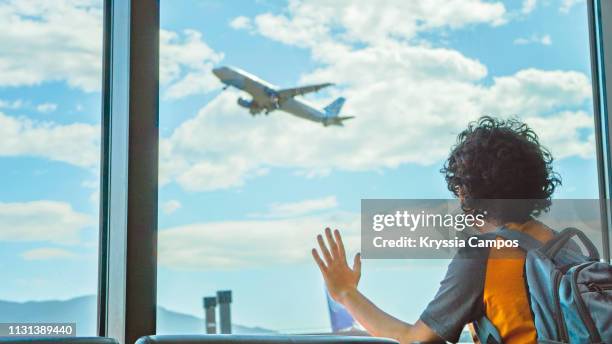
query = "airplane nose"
x=218 y=72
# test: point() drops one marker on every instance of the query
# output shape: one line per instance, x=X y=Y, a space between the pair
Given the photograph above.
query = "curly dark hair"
x=495 y=161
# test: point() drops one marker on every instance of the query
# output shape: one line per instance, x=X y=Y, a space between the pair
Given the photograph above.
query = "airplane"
x=267 y=97
x=341 y=320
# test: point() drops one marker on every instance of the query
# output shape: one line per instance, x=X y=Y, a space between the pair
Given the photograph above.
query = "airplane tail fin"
x=333 y=109
x=341 y=320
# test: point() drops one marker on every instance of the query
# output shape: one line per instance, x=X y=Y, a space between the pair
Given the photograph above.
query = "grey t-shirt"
x=459 y=299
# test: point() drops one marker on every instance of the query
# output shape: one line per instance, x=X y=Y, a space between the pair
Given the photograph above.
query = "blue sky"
x=242 y=197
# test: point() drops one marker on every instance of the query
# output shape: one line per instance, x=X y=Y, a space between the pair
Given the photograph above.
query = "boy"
x=493 y=159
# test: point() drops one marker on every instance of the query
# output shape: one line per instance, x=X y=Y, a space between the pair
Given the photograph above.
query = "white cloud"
x=241 y=244
x=569 y=133
x=76 y=143
x=11 y=105
x=409 y=99
x=94 y=197
x=314 y=173
x=309 y=23
x=284 y=210
x=46 y=107
x=94 y=184
x=91 y=183
x=47 y=253
x=566 y=5
x=40 y=44
x=205 y=175
x=404 y=83
x=411 y=117
x=532 y=92
x=42 y=221
x=186 y=62
x=528 y=6
x=534 y=39
x=241 y=22
x=171 y=206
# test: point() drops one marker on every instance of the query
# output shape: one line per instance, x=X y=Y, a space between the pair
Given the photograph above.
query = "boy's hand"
x=339 y=277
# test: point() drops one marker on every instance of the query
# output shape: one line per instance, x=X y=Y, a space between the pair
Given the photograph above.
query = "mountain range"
x=82 y=311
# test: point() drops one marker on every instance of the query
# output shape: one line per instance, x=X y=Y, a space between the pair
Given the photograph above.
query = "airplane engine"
x=253 y=107
x=245 y=103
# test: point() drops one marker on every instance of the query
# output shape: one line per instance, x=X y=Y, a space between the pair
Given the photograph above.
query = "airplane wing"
x=298 y=91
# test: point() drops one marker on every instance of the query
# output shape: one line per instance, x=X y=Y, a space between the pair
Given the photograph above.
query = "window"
x=243 y=193
x=50 y=81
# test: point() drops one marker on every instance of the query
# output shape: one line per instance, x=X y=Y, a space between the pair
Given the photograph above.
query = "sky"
x=242 y=197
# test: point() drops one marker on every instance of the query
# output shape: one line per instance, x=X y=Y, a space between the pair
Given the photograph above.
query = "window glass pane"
x=243 y=193
x=50 y=79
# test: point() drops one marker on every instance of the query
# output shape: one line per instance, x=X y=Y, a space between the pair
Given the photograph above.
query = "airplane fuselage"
x=302 y=109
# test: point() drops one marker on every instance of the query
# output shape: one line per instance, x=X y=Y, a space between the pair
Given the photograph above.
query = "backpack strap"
x=562 y=239
x=487 y=332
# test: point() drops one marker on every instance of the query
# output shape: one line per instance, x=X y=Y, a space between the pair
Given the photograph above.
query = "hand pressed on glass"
x=340 y=279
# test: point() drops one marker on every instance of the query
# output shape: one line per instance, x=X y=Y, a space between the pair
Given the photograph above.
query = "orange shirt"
x=505 y=295
x=487 y=281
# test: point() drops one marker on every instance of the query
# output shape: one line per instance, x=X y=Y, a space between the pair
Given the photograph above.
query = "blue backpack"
x=570 y=294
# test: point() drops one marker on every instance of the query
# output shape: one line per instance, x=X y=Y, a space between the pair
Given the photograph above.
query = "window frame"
x=600 y=37
x=127 y=298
